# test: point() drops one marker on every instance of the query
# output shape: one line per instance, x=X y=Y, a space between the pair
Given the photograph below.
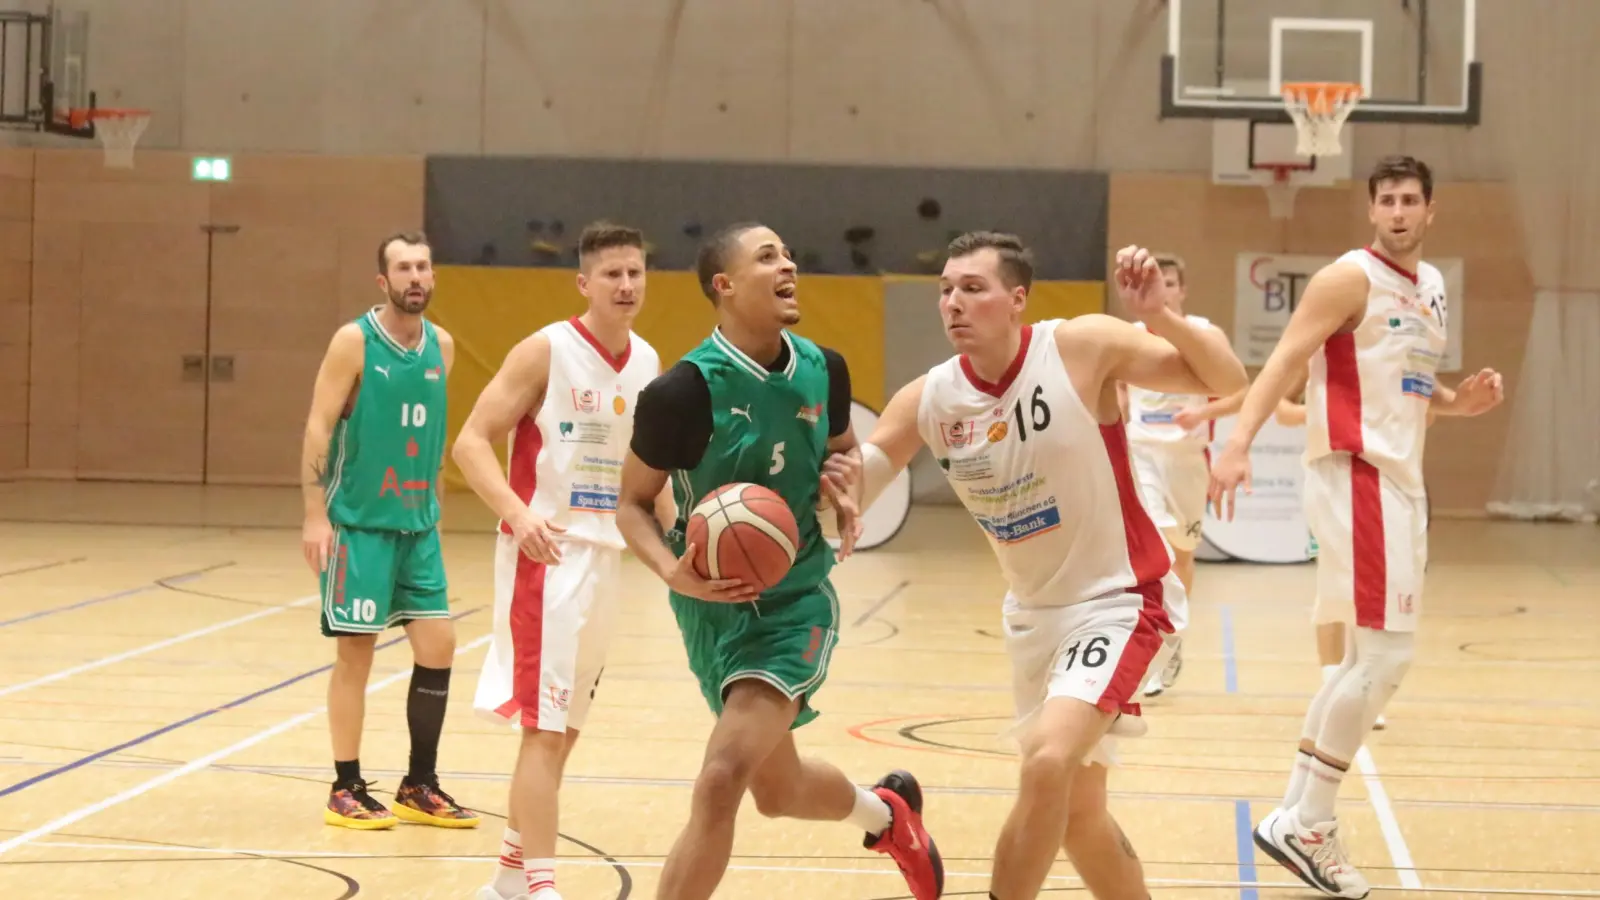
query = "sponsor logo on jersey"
x=583 y=432
x=592 y=498
x=1417 y=384
x=1030 y=521
x=619 y=405
x=433 y=374
x=957 y=434
x=586 y=400
x=810 y=414
x=997 y=432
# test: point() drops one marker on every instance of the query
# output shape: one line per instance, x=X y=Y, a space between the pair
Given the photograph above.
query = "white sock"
x=508 y=878
x=1328 y=672
x=1297 y=779
x=1322 y=788
x=541 y=874
x=871 y=812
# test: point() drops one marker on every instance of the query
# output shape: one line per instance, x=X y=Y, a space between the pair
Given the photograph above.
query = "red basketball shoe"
x=905 y=840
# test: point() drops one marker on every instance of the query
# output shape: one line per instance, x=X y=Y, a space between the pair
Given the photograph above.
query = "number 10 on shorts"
x=363 y=610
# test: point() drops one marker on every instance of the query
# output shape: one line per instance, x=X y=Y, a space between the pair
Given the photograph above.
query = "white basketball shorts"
x=1100 y=651
x=1372 y=545
x=552 y=628
x=1172 y=486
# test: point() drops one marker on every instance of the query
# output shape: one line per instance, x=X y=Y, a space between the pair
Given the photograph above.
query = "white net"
x=1319 y=111
x=118 y=133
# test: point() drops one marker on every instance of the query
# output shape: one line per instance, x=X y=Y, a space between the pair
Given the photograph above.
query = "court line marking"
x=747 y=867
x=202 y=762
x=92 y=601
x=881 y=603
x=1378 y=798
x=640 y=781
x=1243 y=827
x=8 y=690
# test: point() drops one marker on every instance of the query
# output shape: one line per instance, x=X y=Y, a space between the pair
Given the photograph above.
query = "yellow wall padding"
x=488 y=309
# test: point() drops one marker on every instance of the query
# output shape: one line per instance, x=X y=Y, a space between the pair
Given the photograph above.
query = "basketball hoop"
x=1319 y=109
x=1281 y=192
x=117 y=129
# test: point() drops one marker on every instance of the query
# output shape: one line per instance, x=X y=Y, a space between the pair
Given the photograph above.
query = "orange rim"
x=1319 y=96
x=81 y=117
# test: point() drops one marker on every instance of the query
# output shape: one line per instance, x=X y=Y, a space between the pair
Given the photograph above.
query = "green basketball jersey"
x=384 y=458
x=771 y=429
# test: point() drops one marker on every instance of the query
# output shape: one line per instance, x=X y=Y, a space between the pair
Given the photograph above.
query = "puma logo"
x=736 y=411
x=383 y=369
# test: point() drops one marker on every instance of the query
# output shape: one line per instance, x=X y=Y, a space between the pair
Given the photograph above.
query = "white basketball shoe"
x=1314 y=854
x=1168 y=676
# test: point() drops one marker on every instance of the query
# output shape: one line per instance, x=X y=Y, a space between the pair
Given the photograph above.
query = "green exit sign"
x=211 y=168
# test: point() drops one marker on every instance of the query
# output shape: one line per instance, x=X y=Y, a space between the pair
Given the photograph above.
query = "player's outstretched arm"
x=893 y=442
x=511 y=394
x=338 y=375
x=1334 y=297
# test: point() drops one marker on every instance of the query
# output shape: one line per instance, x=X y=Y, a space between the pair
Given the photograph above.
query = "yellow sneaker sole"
x=333 y=818
x=421 y=818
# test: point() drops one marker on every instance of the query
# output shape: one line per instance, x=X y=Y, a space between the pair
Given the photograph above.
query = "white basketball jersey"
x=1368 y=390
x=1051 y=487
x=1150 y=413
x=566 y=458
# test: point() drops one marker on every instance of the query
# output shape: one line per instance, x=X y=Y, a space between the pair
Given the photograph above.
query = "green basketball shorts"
x=784 y=642
x=376 y=579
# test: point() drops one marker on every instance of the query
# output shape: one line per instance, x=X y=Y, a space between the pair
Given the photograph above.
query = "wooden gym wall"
x=112 y=296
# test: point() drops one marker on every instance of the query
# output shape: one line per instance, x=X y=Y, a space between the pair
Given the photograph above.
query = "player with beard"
x=756 y=403
x=374 y=445
x=1372 y=328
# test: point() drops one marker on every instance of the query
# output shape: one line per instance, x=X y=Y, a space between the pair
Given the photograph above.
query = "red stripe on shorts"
x=522 y=470
x=1367 y=543
x=527 y=639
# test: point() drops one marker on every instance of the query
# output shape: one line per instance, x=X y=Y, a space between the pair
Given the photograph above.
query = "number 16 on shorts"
x=1086 y=664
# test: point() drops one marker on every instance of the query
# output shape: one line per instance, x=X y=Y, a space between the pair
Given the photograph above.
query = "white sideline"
x=1387 y=823
x=196 y=765
x=8 y=690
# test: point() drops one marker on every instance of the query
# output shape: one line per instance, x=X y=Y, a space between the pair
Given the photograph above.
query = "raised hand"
x=1140 y=284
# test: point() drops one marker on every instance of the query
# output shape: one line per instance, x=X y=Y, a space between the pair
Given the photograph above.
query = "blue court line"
x=1244 y=829
x=101 y=754
x=1230 y=666
x=176 y=579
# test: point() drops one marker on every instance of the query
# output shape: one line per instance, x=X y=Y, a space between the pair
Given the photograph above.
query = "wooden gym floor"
x=162 y=735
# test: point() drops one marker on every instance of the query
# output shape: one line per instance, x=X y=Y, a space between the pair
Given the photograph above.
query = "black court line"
x=880 y=603
x=42 y=566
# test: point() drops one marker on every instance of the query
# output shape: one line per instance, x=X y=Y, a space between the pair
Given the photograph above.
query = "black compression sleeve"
x=672 y=419
x=839 y=395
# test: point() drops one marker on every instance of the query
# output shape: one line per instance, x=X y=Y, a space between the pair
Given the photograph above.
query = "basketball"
x=743 y=531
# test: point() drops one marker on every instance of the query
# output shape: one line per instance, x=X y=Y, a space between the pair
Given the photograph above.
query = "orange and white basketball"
x=743 y=531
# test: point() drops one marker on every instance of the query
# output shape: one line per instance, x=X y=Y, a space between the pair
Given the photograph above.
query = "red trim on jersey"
x=527 y=641
x=1371 y=555
x=1147 y=552
x=1011 y=372
x=1343 y=393
x=1148 y=557
x=523 y=469
x=1399 y=269
x=615 y=362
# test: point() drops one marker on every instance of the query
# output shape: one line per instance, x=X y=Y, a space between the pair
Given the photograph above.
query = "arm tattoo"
x=319 y=472
x=1127 y=846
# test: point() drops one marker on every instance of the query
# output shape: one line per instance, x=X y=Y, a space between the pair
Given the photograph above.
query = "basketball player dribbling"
x=1371 y=326
x=374 y=445
x=566 y=395
x=1027 y=426
x=1169 y=435
x=756 y=403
